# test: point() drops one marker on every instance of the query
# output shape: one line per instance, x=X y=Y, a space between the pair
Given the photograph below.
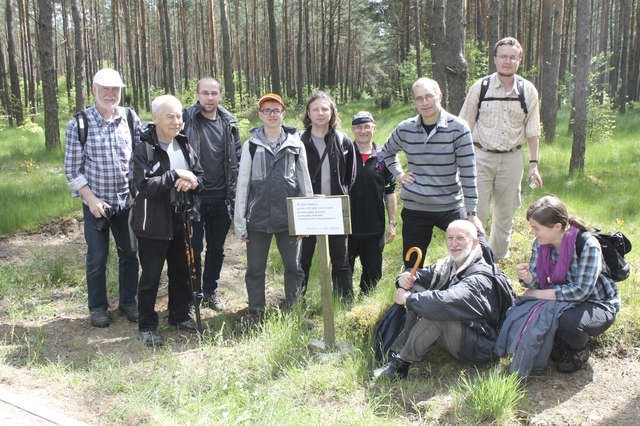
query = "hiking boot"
x=214 y=301
x=396 y=368
x=100 y=318
x=559 y=351
x=574 y=360
x=151 y=338
x=188 y=325
x=130 y=311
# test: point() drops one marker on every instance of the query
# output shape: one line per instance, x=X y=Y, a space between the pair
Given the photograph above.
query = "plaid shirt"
x=103 y=163
x=585 y=281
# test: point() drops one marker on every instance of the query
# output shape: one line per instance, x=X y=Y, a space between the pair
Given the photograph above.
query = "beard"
x=462 y=256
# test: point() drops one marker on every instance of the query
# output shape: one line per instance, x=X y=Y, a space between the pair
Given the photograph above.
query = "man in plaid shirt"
x=97 y=172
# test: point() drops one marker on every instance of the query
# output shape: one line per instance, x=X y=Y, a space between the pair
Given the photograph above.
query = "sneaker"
x=100 y=318
x=188 y=325
x=396 y=368
x=214 y=301
x=574 y=361
x=130 y=311
x=150 y=338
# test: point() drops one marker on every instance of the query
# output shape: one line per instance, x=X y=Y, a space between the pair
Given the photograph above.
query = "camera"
x=102 y=223
x=180 y=201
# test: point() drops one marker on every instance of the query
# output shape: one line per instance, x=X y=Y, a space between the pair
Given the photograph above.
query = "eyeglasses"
x=423 y=99
x=512 y=58
x=269 y=111
x=207 y=93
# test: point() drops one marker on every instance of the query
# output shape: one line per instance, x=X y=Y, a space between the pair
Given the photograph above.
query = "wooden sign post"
x=321 y=216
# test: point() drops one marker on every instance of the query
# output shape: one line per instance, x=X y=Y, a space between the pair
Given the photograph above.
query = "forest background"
x=576 y=52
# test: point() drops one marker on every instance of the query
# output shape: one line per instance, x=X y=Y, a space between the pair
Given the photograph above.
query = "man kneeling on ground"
x=449 y=303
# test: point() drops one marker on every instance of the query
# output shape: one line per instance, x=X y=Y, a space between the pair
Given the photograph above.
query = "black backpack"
x=483 y=95
x=501 y=284
x=614 y=246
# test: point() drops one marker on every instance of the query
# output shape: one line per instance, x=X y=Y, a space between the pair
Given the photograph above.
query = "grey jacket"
x=266 y=179
x=528 y=332
x=468 y=298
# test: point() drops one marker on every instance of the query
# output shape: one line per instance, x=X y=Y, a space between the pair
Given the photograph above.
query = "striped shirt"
x=442 y=162
x=585 y=281
x=103 y=163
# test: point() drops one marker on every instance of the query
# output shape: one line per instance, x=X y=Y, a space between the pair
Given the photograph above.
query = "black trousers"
x=417 y=229
x=369 y=250
x=340 y=270
x=153 y=254
x=585 y=320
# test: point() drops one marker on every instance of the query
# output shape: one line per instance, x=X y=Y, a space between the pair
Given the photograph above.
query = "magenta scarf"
x=550 y=273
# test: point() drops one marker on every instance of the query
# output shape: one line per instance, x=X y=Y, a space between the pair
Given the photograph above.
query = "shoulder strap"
x=252 y=150
x=580 y=242
x=83 y=128
x=484 y=86
x=520 y=85
x=130 y=123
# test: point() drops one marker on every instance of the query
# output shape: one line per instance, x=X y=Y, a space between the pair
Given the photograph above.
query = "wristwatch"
x=392 y=222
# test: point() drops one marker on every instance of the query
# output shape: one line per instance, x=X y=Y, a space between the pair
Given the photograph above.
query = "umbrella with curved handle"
x=407 y=257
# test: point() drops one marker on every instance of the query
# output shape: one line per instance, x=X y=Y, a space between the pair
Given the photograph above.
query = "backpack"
x=83 y=127
x=483 y=95
x=614 y=246
x=501 y=285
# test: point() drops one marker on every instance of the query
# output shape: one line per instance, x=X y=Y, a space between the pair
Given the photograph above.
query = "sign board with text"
x=319 y=215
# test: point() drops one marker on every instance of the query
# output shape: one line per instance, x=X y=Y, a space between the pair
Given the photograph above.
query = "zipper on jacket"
x=144 y=215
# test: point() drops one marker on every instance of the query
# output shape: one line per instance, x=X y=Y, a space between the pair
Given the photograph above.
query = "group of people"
x=190 y=171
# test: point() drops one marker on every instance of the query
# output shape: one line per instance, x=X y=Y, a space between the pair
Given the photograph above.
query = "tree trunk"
x=551 y=30
x=182 y=13
x=79 y=77
x=273 y=46
x=456 y=65
x=213 y=47
x=226 y=55
x=299 y=55
x=15 y=111
x=67 y=51
x=48 y=74
x=4 y=88
x=583 y=59
x=417 y=40
x=494 y=31
x=438 y=50
x=624 y=55
x=144 y=46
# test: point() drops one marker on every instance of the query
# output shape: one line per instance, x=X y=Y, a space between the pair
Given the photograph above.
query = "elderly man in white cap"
x=99 y=143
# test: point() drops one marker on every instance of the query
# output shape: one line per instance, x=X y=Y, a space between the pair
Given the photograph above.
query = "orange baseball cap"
x=271 y=97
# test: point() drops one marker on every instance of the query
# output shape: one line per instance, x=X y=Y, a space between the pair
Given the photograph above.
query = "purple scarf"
x=550 y=273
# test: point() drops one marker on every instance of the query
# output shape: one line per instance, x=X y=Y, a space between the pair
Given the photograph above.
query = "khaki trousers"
x=499 y=177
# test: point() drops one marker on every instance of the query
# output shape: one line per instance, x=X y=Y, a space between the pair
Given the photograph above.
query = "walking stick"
x=407 y=257
x=196 y=293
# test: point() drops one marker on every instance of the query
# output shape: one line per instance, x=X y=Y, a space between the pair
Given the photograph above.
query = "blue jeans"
x=96 y=263
x=214 y=225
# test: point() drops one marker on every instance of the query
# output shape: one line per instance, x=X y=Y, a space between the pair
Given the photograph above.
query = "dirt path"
x=608 y=392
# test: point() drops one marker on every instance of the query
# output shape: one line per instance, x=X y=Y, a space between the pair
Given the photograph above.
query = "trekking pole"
x=407 y=257
x=196 y=293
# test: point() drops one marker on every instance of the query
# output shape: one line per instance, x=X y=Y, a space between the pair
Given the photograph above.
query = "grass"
x=271 y=375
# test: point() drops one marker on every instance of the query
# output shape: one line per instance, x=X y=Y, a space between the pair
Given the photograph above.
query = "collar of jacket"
x=148 y=134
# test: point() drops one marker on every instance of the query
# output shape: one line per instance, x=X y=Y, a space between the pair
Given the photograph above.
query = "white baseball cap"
x=108 y=77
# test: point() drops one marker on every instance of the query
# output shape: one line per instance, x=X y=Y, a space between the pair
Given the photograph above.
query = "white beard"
x=460 y=258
